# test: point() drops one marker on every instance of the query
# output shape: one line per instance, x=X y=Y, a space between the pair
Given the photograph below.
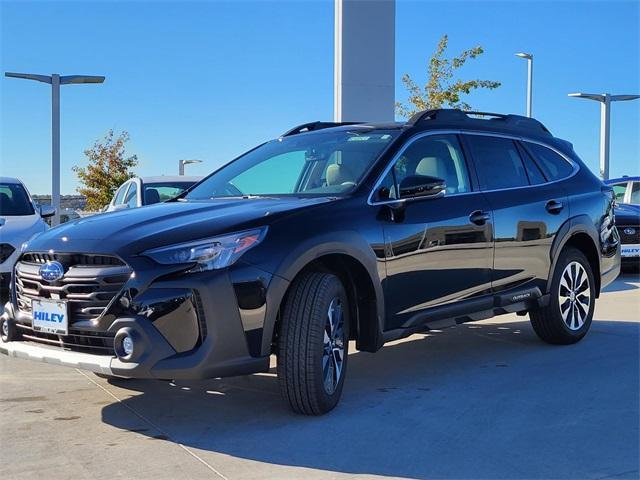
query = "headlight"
x=210 y=253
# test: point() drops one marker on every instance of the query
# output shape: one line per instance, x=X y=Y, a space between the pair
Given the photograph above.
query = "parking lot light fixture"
x=182 y=163
x=529 y=58
x=605 y=100
x=55 y=81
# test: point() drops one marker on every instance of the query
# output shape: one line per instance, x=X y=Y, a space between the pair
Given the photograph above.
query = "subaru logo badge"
x=629 y=231
x=51 y=271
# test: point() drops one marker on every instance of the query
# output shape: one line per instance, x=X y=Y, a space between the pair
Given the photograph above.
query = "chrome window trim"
x=418 y=136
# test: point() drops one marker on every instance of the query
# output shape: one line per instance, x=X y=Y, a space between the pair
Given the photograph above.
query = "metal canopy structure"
x=605 y=100
x=55 y=81
x=364 y=60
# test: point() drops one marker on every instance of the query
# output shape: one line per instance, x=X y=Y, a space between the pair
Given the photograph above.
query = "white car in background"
x=141 y=191
x=20 y=220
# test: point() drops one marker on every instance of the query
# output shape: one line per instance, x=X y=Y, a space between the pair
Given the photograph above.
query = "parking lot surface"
x=482 y=400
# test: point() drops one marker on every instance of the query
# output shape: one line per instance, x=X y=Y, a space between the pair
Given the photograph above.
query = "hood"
x=129 y=232
x=627 y=214
x=16 y=230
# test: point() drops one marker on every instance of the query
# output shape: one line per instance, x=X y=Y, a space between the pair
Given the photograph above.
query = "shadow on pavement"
x=475 y=401
x=626 y=281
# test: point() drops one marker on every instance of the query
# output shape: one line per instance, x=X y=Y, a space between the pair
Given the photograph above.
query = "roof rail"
x=312 y=126
x=455 y=115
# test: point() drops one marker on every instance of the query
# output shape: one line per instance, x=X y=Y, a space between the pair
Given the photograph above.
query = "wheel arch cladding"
x=350 y=257
x=583 y=242
x=360 y=292
x=582 y=235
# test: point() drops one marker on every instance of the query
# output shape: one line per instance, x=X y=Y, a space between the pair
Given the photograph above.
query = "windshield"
x=14 y=200
x=160 y=192
x=314 y=164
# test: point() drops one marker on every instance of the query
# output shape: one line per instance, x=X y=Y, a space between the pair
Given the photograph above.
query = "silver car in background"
x=140 y=191
x=20 y=220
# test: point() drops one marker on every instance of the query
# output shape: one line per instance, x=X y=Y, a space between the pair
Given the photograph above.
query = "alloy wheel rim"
x=333 y=349
x=574 y=295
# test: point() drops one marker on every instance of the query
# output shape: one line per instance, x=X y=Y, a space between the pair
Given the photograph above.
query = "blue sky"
x=211 y=79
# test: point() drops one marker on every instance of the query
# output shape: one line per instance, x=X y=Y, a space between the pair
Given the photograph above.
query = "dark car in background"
x=626 y=189
x=331 y=232
x=628 y=225
x=627 y=211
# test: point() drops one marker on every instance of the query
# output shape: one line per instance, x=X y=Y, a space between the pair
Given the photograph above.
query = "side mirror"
x=47 y=211
x=122 y=206
x=414 y=186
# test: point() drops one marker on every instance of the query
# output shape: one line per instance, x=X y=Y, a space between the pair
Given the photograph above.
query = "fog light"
x=127 y=345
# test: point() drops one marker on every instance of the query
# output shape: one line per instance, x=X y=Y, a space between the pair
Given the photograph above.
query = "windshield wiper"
x=243 y=197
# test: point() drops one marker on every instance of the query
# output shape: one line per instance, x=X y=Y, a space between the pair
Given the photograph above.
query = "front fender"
x=343 y=242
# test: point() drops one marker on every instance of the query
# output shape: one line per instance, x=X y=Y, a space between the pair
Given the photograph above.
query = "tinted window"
x=619 y=190
x=555 y=167
x=132 y=199
x=497 y=161
x=14 y=200
x=635 y=193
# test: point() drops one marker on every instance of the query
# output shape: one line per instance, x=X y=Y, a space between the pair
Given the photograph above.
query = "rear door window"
x=554 y=166
x=498 y=162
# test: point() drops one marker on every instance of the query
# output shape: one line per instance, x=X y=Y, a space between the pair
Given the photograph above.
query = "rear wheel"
x=313 y=343
x=568 y=316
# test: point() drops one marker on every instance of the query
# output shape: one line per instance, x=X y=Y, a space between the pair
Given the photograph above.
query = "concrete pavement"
x=483 y=400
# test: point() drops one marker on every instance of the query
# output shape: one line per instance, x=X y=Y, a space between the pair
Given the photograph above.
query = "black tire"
x=548 y=322
x=303 y=349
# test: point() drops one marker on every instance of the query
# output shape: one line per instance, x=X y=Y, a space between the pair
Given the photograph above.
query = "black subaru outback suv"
x=331 y=232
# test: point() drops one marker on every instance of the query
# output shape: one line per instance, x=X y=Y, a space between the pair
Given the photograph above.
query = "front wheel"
x=568 y=316
x=313 y=343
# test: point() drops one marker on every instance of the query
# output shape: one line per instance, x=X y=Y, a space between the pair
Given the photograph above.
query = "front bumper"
x=223 y=351
x=56 y=356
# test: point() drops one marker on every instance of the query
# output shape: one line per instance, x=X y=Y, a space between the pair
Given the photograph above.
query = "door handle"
x=479 y=217
x=553 y=206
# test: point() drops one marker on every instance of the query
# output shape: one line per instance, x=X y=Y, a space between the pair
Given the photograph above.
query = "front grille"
x=72 y=259
x=97 y=343
x=627 y=238
x=88 y=289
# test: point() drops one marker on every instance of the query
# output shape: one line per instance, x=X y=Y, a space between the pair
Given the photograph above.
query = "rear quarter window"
x=554 y=166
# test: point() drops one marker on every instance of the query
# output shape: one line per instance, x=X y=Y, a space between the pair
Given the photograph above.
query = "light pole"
x=55 y=81
x=182 y=163
x=605 y=100
x=529 y=58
